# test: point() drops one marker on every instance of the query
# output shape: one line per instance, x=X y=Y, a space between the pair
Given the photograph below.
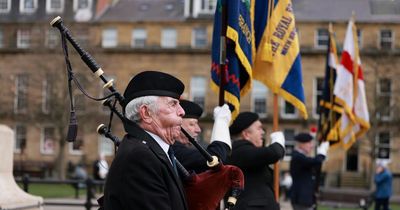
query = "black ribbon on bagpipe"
x=91 y=63
x=73 y=123
x=111 y=100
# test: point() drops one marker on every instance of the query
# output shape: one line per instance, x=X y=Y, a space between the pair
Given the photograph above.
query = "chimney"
x=102 y=6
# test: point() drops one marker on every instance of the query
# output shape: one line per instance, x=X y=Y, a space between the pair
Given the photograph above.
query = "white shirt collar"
x=164 y=146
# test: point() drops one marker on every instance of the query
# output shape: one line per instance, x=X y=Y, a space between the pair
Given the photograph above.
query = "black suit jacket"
x=193 y=160
x=302 y=170
x=258 y=185
x=141 y=176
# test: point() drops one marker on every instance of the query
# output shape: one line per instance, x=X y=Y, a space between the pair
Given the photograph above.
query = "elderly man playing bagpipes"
x=145 y=173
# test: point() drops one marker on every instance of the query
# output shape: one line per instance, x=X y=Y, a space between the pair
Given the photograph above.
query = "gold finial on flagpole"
x=330 y=27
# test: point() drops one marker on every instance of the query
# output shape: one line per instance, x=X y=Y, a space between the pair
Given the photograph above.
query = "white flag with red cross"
x=350 y=90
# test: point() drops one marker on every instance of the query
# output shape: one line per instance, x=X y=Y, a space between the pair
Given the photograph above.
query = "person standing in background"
x=383 y=182
x=286 y=183
x=100 y=168
x=249 y=154
x=81 y=175
x=303 y=170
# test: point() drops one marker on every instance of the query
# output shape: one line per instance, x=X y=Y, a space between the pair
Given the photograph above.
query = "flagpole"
x=275 y=120
x=275 y=125
x=325 y=135
x=356 y=56
x=330 y=85
x=332 y=116
x=222 y=56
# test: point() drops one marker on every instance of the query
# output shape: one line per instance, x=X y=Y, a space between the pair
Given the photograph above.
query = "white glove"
x=278 y=137
x=220 y=132
x=322 y=149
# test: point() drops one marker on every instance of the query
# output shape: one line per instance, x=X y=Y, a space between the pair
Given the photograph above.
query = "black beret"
x=303 y=137
x=242 y=121
x=153 y=83
x=192 y=110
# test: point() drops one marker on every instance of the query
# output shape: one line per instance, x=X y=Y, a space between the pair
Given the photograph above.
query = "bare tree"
x=384 y=109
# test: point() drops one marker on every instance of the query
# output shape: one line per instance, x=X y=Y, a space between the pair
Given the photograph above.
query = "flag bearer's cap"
x=303 y=137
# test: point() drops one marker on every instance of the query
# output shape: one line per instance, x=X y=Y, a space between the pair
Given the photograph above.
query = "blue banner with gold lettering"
x=238 y=51
x=277 y=61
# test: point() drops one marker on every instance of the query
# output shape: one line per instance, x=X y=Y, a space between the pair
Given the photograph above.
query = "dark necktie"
x=172 y=157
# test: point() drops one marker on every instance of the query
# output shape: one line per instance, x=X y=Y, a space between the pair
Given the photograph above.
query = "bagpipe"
x=204 y=191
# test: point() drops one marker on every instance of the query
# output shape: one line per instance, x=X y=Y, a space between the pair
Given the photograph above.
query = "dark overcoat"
x=302 y=170
x=141 y=176
x=258 y=185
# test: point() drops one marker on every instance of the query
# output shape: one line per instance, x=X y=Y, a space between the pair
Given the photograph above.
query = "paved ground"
x=284 y=205
x=50 y=204
x=63 y=208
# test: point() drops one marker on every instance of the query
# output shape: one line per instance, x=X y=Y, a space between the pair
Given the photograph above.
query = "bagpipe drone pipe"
x=203 y=191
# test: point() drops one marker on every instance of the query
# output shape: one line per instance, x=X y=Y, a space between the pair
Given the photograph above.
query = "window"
x=110 y=38
x=27 y=6
x=288 y=111
x=168 y=38
x=384 y=99
x=21 y=95
x=5 y=6
x=317 y=95
x=47 y=144
x=198 y=90
x=106 y=146
x=53 y=6
x=23 y=38
x=382 y=145
x=208 y=6
x=386 y=39
x=139 y=38
x=20 y=138
x=82 y=4
x=322 y=38
x=259 y=98
x=1 y=38
x=47 y=86
x=204 y=7
x=199 y=37
x=298 y=34
x=52 y=38
x=359 y=37
x=200 y=7
x=169 y=6
x=289 y=142
x=76 y=147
